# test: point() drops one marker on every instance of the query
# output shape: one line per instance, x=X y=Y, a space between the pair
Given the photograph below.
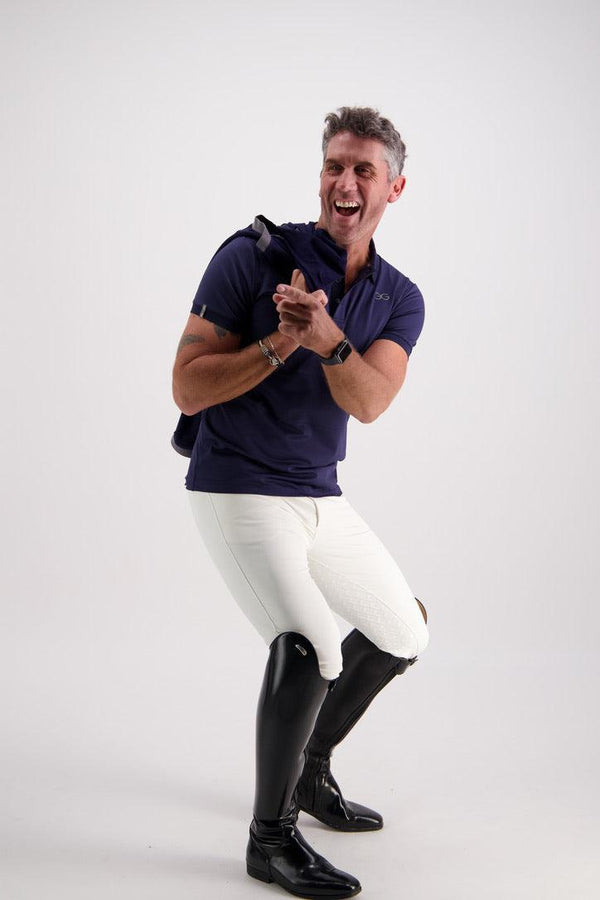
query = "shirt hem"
x=267 y=490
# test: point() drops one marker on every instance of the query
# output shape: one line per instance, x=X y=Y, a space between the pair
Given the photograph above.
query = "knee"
x=421 y=629
x=411 y=636
x=327 y=654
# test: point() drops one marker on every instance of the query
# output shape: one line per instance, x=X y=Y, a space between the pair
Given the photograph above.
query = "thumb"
x=298 y=280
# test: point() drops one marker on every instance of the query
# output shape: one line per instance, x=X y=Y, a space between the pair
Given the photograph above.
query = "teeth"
x=346 y=204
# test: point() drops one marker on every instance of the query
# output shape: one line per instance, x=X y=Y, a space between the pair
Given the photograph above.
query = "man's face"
x=355 y=170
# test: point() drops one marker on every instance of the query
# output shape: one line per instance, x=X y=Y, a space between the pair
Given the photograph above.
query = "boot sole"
x=347 y=827
x=269 y=879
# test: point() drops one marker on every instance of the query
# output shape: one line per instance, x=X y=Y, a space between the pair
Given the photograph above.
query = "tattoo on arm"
x=190 y=339
x=198 y=339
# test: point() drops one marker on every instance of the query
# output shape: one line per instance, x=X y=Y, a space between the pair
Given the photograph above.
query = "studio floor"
x=487 y=784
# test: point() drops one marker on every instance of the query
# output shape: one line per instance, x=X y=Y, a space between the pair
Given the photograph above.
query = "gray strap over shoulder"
x=265 y=238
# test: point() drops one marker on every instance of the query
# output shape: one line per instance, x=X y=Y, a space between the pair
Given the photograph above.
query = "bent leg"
x=260 y=546
x=363 y=583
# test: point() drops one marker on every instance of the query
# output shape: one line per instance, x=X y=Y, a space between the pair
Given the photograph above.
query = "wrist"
x=339 y=354
x=284 y=344
x=327 y=347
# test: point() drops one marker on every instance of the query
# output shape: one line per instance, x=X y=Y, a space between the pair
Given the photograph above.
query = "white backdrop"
x=137 y=136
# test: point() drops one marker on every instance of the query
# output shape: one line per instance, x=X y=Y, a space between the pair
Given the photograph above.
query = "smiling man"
x=293 y=329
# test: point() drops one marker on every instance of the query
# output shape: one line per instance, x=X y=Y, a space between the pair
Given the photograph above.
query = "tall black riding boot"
x=292 y=693
x=367 y=670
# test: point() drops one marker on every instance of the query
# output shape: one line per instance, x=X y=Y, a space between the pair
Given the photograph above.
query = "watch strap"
x=341 y=353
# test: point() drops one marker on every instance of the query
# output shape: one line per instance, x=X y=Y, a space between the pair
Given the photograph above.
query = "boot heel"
x=258 y=873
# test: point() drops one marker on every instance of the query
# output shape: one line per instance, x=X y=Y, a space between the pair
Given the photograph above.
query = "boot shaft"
x=366 y=671
x=292 y=693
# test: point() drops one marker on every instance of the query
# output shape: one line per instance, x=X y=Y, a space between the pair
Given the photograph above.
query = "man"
x=294 y=329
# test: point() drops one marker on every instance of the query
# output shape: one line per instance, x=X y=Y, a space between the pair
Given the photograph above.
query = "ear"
x=396 y=188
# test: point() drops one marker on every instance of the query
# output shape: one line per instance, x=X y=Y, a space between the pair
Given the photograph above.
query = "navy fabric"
x=285 y=436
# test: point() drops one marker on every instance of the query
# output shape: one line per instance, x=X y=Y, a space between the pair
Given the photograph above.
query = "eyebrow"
x=338 y=162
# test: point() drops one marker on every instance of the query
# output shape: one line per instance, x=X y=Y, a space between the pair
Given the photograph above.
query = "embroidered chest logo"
x=382 y=296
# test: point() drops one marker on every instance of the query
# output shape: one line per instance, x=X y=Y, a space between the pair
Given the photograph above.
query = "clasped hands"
x=304 y=318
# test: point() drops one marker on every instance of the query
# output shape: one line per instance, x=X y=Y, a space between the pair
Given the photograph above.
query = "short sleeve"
x=406 y=321
x=226 y=291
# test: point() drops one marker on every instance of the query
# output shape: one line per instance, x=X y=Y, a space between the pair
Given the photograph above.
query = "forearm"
x=359 y=388
x=363 y=388
x=219 y=377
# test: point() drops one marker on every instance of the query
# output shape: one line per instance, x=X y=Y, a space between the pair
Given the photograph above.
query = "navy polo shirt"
x=285 y=436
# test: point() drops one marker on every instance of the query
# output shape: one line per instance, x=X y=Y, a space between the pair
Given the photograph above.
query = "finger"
x=298 y=310
x=298 y=280
x=299 y=295
x=287 y=292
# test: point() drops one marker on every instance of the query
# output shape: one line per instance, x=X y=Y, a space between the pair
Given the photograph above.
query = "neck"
x=357 y=257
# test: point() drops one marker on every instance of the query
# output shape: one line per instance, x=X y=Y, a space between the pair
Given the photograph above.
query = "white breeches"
x=290 y=561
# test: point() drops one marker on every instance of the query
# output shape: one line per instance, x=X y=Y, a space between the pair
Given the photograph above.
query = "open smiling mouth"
x=346 y=207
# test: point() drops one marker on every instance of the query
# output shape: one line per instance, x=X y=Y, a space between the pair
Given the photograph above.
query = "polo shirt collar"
x=369 y=270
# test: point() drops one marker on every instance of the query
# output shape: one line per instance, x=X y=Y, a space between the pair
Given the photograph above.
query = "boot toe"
x=348 y=817
x=361 y=818
x=295 y=866
x=319 y=794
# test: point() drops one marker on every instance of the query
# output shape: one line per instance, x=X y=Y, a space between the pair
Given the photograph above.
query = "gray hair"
x=366 y=122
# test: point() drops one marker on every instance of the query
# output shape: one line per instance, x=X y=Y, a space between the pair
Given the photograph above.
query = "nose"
x=347 y=180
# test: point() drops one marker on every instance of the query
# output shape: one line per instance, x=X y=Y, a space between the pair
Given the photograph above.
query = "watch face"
x=343 y=351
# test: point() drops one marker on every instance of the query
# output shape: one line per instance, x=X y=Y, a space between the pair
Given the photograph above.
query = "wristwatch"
x=341 y=353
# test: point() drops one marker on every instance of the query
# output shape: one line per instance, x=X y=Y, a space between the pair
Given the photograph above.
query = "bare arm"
x=210 y=368
x=364 y=386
